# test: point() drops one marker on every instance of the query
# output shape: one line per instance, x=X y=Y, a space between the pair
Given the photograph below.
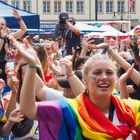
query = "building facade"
x=82 y=10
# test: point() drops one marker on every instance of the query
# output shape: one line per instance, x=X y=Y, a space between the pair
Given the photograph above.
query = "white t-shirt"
x=52 y=94
x=117 y=122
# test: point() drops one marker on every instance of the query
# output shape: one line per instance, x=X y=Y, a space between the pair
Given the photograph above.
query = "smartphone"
x=11 y=67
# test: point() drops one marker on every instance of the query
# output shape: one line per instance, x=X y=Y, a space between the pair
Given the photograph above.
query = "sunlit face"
x=127 y=44
x=111 y=42
x=122 y=46
x=2 y=84
x=2 y=23
x=48 y=48
x=101 y=78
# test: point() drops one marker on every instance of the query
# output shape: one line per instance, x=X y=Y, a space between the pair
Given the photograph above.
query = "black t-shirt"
x=72 y=40
x=61 y=30
x=3 y=60
x=3 y=52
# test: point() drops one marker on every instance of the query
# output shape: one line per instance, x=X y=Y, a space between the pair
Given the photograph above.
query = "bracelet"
x=19 y=19
x=34 y=66
x=109 y=51
x=69 y=75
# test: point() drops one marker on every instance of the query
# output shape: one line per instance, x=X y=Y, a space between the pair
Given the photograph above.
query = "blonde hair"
x=3 y=19
x=97 y=58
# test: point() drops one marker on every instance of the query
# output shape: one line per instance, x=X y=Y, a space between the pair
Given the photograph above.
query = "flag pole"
x=129 y=16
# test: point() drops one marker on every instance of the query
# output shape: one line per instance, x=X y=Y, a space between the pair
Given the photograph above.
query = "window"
x=133 y=7
x=27 y=6
x=99 y=6
x=57 y=6
x=120 y=6
x=15 y=3
x=109 y=6
x=69 y=6
x=80 y=6
x=5 y=1
x=46 y=7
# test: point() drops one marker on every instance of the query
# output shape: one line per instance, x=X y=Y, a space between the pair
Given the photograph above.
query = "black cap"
x=63 y=15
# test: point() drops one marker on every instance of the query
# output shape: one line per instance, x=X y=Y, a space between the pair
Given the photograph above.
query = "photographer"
x=69 y=32
x=61 y=28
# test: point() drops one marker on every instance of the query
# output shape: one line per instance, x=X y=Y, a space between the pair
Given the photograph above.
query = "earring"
x=86 y=92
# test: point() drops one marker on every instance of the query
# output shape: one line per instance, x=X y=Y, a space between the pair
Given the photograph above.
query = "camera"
x=63 y=17
x=61 y=27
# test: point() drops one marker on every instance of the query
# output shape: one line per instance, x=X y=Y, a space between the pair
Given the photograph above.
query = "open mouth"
x=103 y=86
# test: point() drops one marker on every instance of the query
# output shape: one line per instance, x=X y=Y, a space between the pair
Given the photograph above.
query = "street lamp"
x=121 y=16
x=96 y=10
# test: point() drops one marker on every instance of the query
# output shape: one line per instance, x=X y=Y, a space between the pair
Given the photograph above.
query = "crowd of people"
x=68 y=87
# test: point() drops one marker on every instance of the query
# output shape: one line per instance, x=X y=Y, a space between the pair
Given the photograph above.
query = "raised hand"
x=85 y=45
x=68 y=65
x=87 y=40
x=124 y=77
x=16 y=14
x=26 y=51
x=124 y=90
x=16 y=116
x=130 y=89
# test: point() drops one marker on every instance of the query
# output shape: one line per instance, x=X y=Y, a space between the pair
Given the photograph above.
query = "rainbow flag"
x=131 y=5
x=79 y=119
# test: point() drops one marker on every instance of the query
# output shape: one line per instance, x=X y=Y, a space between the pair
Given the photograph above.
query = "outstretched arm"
x=15 y=117
x=23 y=29
x=73 y=28
x=14 y=84
x=135 y=76
x=27 y=98
x=122 y=83
x=73 y=80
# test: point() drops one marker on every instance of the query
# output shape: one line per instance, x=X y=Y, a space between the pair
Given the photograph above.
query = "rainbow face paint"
x=94 y=77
